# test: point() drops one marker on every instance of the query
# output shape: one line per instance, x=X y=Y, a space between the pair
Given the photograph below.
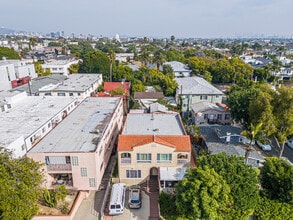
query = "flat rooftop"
x=78 y=131
x=153 y=124
x=28 y=115
x=74 y=82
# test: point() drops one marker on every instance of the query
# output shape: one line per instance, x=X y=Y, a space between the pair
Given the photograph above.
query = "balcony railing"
x=59 y=167
x=126 y=160
x=182 y=161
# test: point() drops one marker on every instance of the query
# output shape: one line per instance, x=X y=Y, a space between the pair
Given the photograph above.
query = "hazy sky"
x=158 y=18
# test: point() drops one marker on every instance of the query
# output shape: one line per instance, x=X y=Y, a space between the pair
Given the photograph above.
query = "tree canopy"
x=20 y=181
x=203 y=194
x=241 y=178
x=276 y=179
x=8 y=53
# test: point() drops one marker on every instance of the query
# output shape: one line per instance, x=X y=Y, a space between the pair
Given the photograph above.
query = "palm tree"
x=144 y=55
x=112 y=57
x=159 y=58
x=252 y=133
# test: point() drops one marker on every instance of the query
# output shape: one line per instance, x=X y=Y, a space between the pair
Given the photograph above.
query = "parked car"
x=134 y=201
x=290 y=143
x=265 y=147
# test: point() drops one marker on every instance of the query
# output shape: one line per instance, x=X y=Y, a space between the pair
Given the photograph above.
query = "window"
x=227 y=116
x=44 y=130
x=78 y=94
x=83 y=171
x=220 y=116
x=164 y=158
x=61 y=93
x=47 y=94
x=133 y=173
x=205 y=116
x=203 y=97
x=22 y=147
x=74 y=160
x=92 y=182
x=144 y=158
x=49 y=125
x=71 y=94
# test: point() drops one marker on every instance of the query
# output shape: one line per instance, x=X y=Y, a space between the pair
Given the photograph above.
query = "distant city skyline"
x=155 y=18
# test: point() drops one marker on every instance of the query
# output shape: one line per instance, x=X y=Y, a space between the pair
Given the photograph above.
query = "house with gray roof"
x=179 y=69
x=207 y=112
x=195 y=89
x=228 y=139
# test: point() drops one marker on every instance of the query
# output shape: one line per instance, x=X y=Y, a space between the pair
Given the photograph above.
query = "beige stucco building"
x=77 y=151
x=153 y=145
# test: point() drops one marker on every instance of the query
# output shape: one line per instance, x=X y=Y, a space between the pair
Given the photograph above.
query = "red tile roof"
x=111 y=86
x=128 y=142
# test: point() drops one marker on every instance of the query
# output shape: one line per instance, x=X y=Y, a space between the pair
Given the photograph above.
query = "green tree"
x=172 y=38
x=96 y=62
x=175 y=55
x=144 y=55
x=252 y=133
x=8 y=53
x=270 y=209
x=276 y=178
x=241 y=69
x=203 y=194
x=242 y=180
x=168 y=69
x=40 y=70
x=20 y=181
x=73 y=68
x=283 y=115
x=159 y=58
x=197 y=65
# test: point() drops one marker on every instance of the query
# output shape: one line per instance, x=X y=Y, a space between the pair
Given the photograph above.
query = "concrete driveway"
x=134 y=214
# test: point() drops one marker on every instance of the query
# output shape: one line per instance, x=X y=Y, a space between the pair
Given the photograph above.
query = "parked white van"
x=117 y=199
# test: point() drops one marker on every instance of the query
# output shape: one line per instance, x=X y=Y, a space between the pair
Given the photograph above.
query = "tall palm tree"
x=159 y=58
x=144 y=55
x=112 y=57
x=252 y=133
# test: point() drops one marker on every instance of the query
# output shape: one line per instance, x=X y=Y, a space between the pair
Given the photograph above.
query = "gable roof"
x=197 y=86
x=128 y=142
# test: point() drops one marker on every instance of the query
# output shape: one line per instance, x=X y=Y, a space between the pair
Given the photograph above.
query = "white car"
x=265 y=147
x=290 y=143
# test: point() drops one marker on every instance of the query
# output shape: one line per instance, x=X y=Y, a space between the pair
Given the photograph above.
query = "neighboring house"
x=35 y=84
x=25 y=120
x=157 y=107
x=283 y=73
x=150 y=145
x=147 y=98
x=14 y=73
x=179 y=69
x=195 y=89
x=207 y=112
x=60 y=66
x=76 y=153
x=124 y=57
x=77 y=85
x=228 y=139
x=117 y=89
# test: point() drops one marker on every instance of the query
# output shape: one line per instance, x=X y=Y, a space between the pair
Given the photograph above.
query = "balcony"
x=182 y=161
x=59 y=167
x=126 y=160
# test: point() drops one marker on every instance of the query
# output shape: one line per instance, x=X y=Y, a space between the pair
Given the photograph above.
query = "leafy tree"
x=167 y=204
x=168 y=69
x=172 y=38
x=208 y=76
x=270 y=209
x=241 y=69
x=54 y=44
x=20 y=181
x=283 y=115
x=174 y=55
x=276 y=178
x=239 y=100
x=96 y=62
x=197 y=65
x=73 y=68
x=203 y=194
x=242 y=180
x=8 y=53
x=137 y=86
x=144 y=55
x=262 y=74
x=40 y=70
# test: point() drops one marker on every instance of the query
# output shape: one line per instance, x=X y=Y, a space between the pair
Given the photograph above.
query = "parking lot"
x=134 y=214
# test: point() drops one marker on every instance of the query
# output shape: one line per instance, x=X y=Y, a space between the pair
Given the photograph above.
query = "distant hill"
x=4 y=30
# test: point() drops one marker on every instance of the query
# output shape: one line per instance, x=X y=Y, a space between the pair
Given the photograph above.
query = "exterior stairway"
x=153 y=195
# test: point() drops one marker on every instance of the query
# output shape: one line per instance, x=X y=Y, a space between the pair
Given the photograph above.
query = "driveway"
x=134 y=214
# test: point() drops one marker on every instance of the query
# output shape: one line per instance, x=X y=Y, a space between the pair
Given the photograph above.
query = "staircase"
x=153 y=195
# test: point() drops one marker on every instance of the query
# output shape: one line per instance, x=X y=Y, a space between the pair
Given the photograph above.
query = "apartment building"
x=154 y=144
x=25 y=120
x=77 y=151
